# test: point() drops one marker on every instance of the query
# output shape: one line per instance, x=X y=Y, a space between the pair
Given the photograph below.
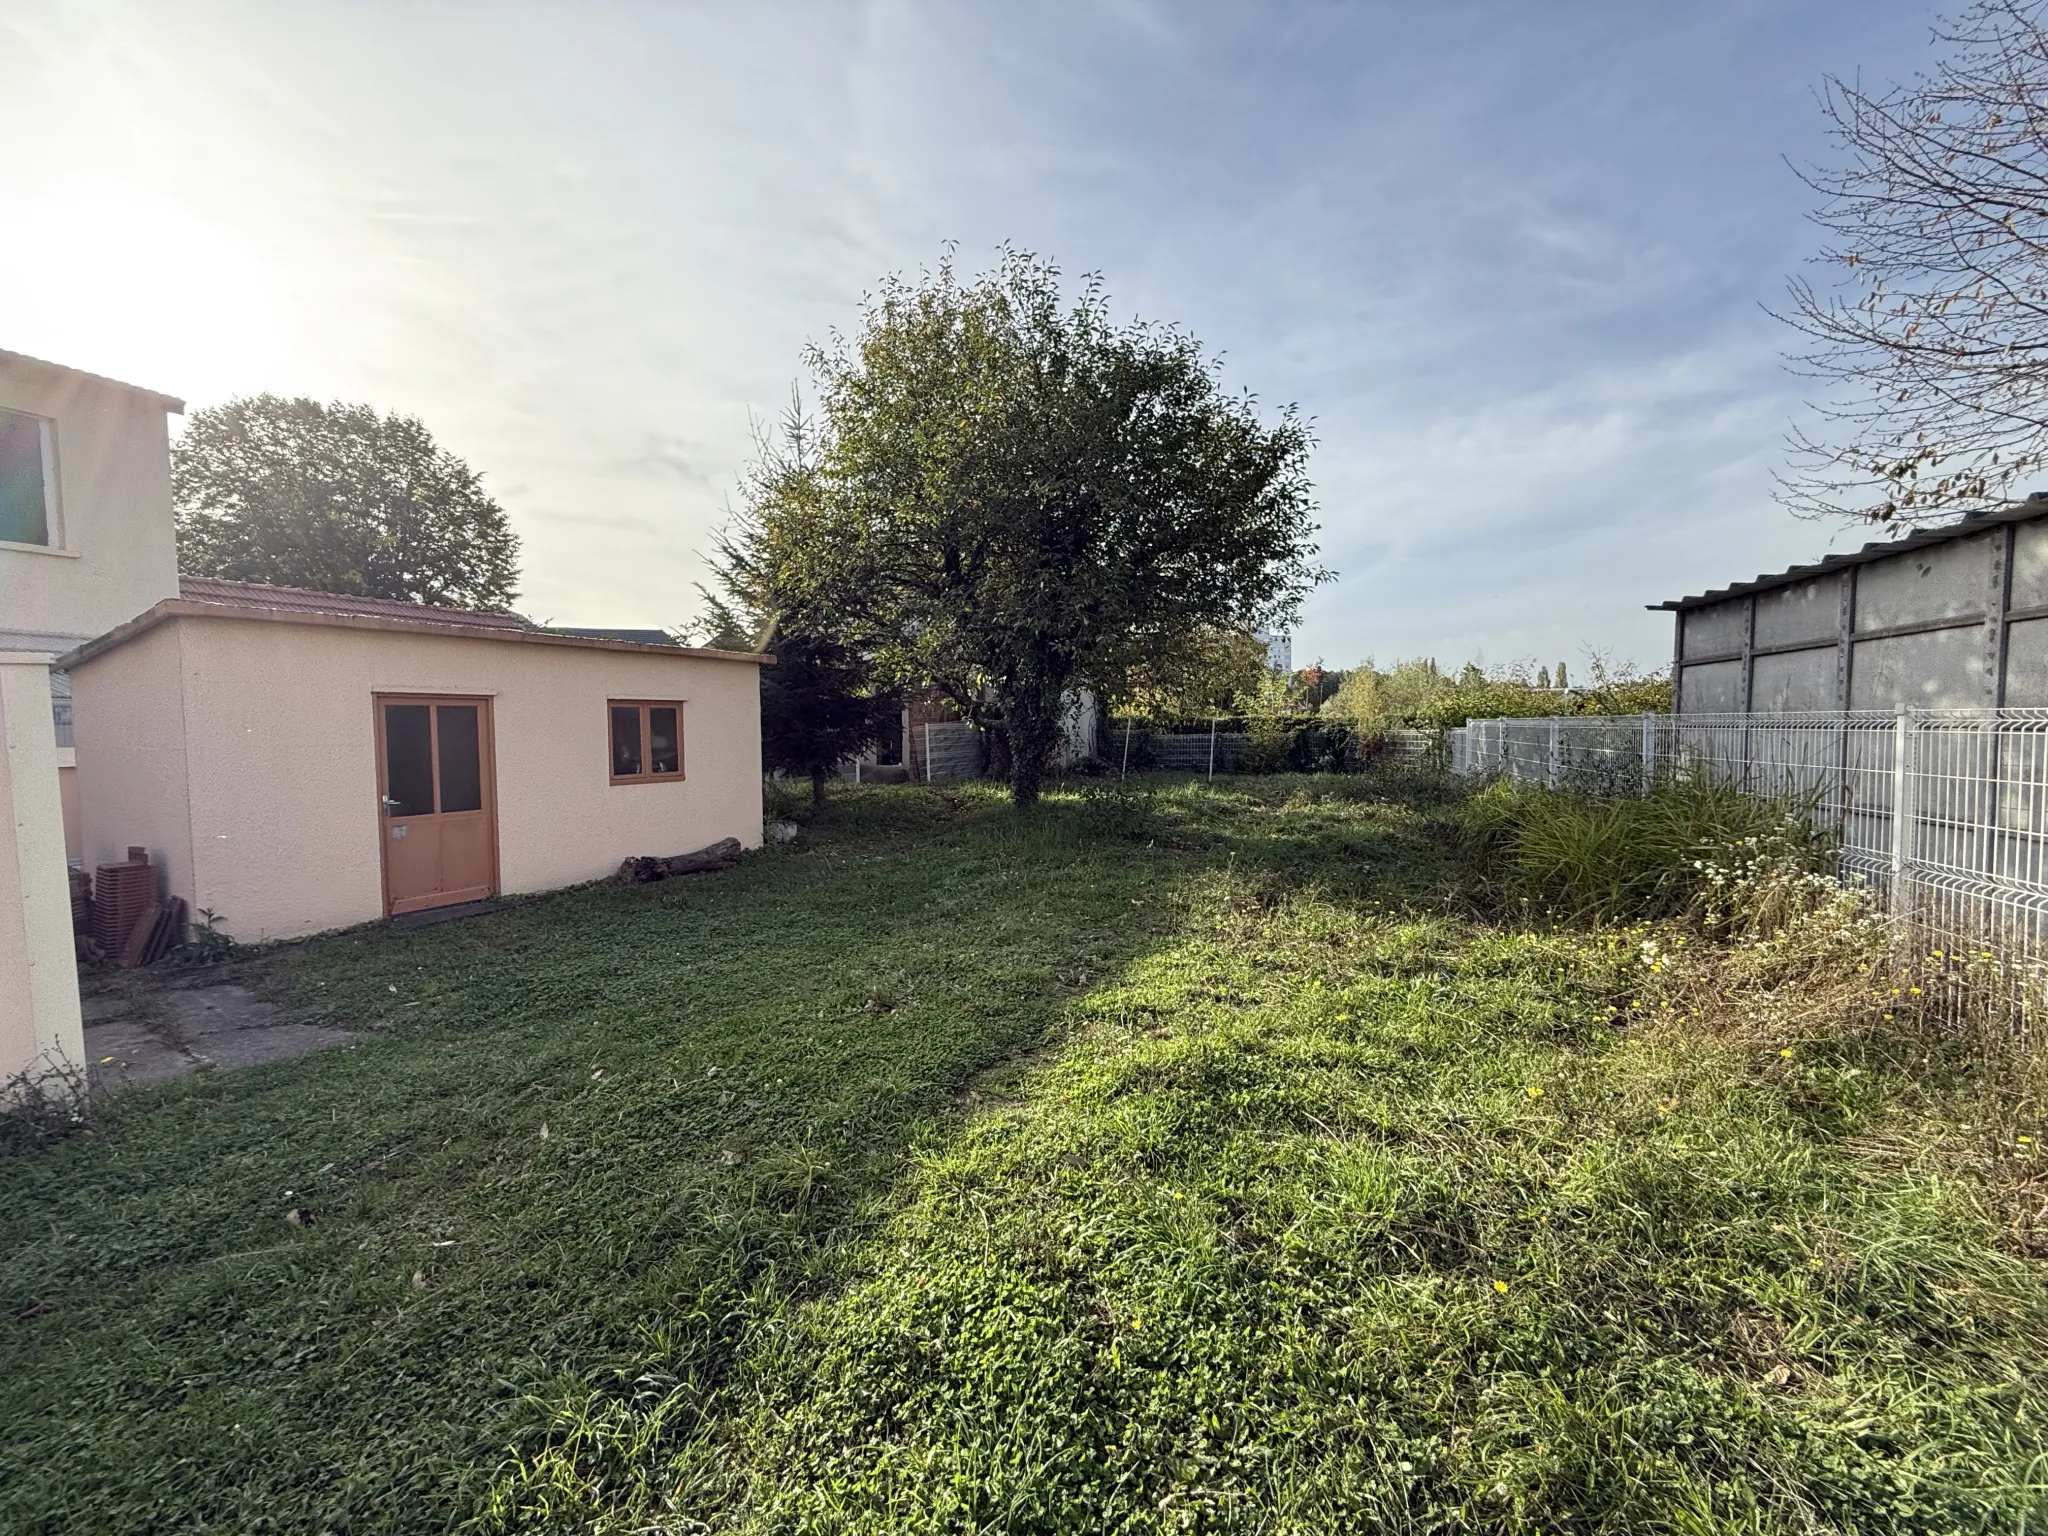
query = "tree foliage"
x=1210 y=672
x=1933 y=338
x=339 y=499
x=779 y=586
x=1028 y=497
x=1419 y=694
x=818 y=708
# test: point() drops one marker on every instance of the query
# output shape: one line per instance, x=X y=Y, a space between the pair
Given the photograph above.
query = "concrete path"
x=214 y=1026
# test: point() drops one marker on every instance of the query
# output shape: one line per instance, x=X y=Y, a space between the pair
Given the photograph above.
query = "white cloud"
x=1509 y=259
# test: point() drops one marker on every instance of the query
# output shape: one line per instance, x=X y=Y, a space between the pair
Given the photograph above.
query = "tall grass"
x=1586 y=858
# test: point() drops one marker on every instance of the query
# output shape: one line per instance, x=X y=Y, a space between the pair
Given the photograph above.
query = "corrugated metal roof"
x=2017 y=512
x=256 y=594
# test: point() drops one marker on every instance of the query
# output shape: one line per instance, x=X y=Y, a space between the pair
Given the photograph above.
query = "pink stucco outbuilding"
x=300 y=761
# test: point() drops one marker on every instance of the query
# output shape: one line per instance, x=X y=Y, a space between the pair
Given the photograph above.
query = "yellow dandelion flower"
x=1501 y=1286
x=1533 y=1091
x=1915 y=991
x=1786 y=1052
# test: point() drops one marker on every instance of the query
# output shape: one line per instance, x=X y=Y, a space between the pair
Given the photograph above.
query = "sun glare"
x=123 y=281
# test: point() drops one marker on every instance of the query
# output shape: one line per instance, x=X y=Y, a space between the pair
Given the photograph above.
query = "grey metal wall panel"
x=2026 y=664
x=1794 y=679
x=1942 y=669
x=1712 y=689
x=1942 y=581
x=2030 y=565
x=1812 y=610
x=1715 y=630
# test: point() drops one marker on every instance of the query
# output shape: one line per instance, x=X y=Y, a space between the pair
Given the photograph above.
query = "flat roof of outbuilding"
x=2014 y=512
x=205 y=597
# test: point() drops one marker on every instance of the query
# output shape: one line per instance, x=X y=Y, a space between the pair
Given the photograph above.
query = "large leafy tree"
x=340 y=499
x=1932 y=337
x=1014 y=496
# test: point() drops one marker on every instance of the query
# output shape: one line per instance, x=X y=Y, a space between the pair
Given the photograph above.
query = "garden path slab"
x=216 y=1026
x=120 y=1051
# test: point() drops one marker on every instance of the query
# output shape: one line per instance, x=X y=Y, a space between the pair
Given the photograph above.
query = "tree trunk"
x=817 y=786
x=1032 y=739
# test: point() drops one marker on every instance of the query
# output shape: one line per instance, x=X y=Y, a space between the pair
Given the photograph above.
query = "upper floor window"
x=28 y=480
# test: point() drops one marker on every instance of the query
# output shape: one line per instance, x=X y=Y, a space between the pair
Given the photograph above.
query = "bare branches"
x=1933 y=334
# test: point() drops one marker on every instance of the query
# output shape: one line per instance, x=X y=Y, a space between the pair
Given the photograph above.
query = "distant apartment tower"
x=1279 y=649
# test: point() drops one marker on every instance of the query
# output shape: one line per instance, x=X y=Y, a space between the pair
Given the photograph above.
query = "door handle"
x=388 y=803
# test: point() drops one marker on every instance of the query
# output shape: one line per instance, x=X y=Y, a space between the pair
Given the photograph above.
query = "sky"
x=1511 y=257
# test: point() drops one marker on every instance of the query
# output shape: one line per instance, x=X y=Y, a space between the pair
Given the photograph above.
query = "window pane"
x=625 y=740
x=462 y=778
x=408 y=760
x=24 y=505
x=664 y=743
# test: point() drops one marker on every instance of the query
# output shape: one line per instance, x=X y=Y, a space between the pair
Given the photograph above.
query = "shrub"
x=1590 y=858
x=1320 y=746
x=1268 y=743
x=207 y=943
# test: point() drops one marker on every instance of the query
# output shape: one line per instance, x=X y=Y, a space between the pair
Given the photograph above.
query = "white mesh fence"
x=1942 y=813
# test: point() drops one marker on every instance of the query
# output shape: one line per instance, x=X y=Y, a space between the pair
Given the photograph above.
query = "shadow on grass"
x=579 y=1134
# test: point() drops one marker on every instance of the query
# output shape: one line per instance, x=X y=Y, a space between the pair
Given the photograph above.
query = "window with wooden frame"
x=647 y=740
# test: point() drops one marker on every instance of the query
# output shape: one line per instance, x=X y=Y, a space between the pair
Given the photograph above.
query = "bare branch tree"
x=1933 y=337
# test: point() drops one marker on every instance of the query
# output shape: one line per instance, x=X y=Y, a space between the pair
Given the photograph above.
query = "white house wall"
x=116 y=552
x=40 y=1028
x=133 y=788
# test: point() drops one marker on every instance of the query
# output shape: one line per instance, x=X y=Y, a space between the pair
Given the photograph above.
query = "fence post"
x=1212 y=749
x=1125 y=771
x=927 y=751
x=1903 y=765
x=1649 y=751
x=1556 y=753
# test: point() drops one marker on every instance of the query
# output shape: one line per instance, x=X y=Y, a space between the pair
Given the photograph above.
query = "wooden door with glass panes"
x=438 y=816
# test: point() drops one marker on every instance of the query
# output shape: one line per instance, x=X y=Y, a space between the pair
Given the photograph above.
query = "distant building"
x=1279 y=649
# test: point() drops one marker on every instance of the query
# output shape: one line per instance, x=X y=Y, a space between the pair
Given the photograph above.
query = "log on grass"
x=703 y=861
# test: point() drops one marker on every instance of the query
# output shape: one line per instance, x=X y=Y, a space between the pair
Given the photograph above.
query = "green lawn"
x=1176 y=1161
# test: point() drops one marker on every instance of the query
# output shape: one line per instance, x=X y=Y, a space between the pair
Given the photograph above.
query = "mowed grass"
x=1175 y=1161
